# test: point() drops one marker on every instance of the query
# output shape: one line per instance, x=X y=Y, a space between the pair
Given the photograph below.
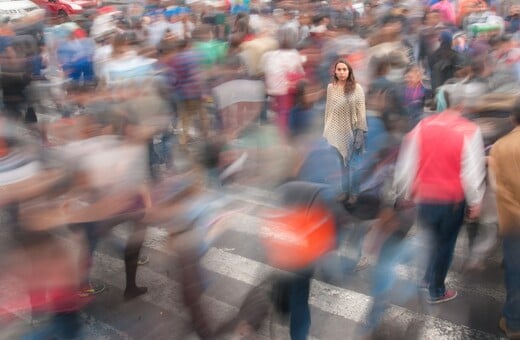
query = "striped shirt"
x=185 y=74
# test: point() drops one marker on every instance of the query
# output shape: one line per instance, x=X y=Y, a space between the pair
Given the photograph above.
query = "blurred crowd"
x=375 y=126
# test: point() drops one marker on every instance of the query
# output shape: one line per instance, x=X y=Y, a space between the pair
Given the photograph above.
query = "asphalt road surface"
x=236 y=263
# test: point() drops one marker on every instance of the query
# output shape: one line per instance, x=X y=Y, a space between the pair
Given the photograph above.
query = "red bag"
x=296 y=238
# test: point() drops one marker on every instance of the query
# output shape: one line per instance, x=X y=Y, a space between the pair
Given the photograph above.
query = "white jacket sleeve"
x=406 y=167
x=473 y=170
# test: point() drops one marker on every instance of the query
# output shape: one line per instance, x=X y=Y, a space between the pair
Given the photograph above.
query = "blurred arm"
x=406 y=167
x=361 y=111
x=473 y=169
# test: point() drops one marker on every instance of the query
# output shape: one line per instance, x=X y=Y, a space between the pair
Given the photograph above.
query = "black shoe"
x=132 y=293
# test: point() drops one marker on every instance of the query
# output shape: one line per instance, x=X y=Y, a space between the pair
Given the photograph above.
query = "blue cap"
x=170 y=12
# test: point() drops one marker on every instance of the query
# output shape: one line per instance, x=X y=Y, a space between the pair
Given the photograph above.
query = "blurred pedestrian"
x=282 y=69
x=186 y=78
x=505 y=164
x=441 y=167
x=414 y=94
x=444 y=62
x=394 y=110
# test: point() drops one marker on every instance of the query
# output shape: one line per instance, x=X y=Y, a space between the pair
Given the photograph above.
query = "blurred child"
x=415 y=94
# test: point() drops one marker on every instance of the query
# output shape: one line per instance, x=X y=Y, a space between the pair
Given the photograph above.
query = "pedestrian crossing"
x=235 y=264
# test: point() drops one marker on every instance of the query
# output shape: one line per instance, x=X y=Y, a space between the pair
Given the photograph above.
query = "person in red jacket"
x=441 y=167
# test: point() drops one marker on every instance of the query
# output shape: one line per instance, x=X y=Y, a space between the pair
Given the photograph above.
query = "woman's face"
x=341 y=72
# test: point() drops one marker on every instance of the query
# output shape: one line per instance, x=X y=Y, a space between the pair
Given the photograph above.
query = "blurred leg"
x=448 y=230
x=299 y=306
x=133 y=247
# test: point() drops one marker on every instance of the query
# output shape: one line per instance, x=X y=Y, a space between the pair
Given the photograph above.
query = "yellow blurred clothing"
x=505 y=164
x=252 y=52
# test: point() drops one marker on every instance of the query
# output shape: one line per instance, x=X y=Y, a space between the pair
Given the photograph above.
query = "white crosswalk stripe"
x=165 y=293
x=329 y=298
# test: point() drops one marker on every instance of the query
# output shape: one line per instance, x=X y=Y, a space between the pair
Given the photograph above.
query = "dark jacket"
x=443 y=64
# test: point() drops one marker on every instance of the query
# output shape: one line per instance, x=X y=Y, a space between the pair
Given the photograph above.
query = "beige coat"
x=505 y=165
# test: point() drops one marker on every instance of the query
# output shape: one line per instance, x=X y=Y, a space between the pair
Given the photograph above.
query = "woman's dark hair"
x=350 y=85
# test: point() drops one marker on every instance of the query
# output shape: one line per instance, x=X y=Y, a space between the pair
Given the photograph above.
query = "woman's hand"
x=359 y=139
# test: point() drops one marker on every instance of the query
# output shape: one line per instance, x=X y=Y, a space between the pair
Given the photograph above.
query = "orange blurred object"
x=296 y=238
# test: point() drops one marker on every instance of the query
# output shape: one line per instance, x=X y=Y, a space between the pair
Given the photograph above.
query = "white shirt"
x=276 y=65
x=178 y=29
x=156 y=32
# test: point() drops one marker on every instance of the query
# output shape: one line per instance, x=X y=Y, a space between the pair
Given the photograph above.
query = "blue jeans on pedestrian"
x=92 y=232
x=511 y=310
x=396 y=250
x=63 y=325
x=443 y=223
x=299 y=305
x=80 y=69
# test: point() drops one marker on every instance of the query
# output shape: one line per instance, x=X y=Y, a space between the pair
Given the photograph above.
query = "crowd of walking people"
x=395 y=121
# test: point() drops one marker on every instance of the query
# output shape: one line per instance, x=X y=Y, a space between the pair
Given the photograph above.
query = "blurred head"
x=318 y=20
x=120 y=43
x=392 y=25
x=514 y=11
x=413 y=75
x=279 y=15
x=305 y=19
x=432 y=18
x=459 y=39
x=241 y=16
x=167 y=47
x=446 y=38
x=242 y=26
x=343 y=72
x=287 y=38
x=461 y=96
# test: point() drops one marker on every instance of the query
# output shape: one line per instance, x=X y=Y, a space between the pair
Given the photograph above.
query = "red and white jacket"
x=442 y=160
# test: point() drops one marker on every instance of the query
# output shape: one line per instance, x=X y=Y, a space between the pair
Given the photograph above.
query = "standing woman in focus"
x=345 y=121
